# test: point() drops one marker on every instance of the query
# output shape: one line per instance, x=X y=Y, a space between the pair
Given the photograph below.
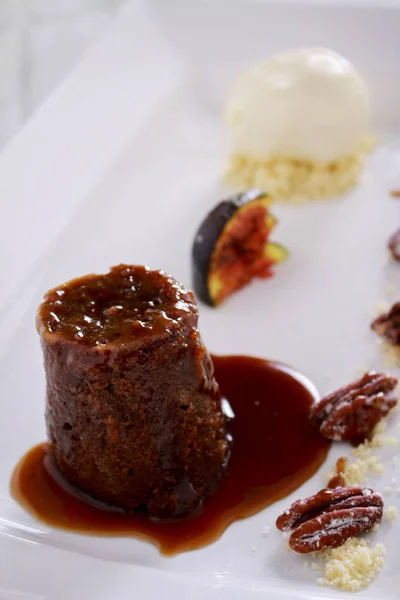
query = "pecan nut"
x=330 y=517
x=387 y=325
x=352 y=412
x=394 y=245
x=333 y=529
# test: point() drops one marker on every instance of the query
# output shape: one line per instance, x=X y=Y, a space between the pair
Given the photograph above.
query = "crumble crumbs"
x=382 y=307
x=295 y=180
x=356 y=472
x=378 y=440
x=351 y=566
x=391 y=354
x=266 y=531
x=391 y=513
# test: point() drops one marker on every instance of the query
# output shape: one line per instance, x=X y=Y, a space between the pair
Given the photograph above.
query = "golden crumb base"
x=298 y=181
x=356 y=472
x=391 y=513
x=352 y=566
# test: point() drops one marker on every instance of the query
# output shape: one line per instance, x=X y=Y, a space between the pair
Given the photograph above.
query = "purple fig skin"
x=207 y=237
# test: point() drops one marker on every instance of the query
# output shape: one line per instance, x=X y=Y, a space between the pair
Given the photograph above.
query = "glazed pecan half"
x=330 y=517
x=387 y=325
x=352 y=412
x=394 y=245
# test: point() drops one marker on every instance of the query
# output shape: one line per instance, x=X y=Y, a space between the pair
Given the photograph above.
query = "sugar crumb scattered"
x=390 y=440
x=378 y=440
x=266 y=531
x=388 y=489
x=382 y=307
x=352 y=566
x=253 y=551
x=391 y=513
x=356 y=472
x=380 y=427
x=390 y=352
x=391 y=290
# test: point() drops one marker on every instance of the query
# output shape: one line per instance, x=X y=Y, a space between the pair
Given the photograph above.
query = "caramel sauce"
x=124 y=305
x=275 y=450
x=337 y=479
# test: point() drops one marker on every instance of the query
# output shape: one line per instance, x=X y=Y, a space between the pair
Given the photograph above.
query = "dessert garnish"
x=352 y=412
x=394 y=244
x=232 y=246
x=299 y=125
x=330 y=517
x=387 y=325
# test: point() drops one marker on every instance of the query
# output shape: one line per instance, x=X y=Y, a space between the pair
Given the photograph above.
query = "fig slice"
x=232 y=246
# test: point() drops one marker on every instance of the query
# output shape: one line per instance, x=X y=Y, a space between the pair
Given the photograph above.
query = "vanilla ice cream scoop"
x=307 y=104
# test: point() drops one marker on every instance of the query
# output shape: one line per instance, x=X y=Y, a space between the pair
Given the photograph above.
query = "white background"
x=40 y=41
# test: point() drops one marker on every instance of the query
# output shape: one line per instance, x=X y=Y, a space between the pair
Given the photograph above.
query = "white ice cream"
x=304 y=104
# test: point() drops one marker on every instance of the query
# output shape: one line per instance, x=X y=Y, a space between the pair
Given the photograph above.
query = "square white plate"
x=120 y=166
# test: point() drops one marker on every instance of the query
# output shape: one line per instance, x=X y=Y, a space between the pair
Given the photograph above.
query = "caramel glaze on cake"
x=133 y=412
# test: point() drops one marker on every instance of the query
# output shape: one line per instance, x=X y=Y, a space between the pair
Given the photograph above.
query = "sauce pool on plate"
x=275 y=449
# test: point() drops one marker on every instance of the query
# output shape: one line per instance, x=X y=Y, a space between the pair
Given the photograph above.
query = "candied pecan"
x=394 y=244
x=387 y=325
x=324 y=501
x=352 y=412
x=330 y=517
x=333 y=529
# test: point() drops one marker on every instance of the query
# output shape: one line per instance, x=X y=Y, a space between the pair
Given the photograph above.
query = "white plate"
x=120 y=166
